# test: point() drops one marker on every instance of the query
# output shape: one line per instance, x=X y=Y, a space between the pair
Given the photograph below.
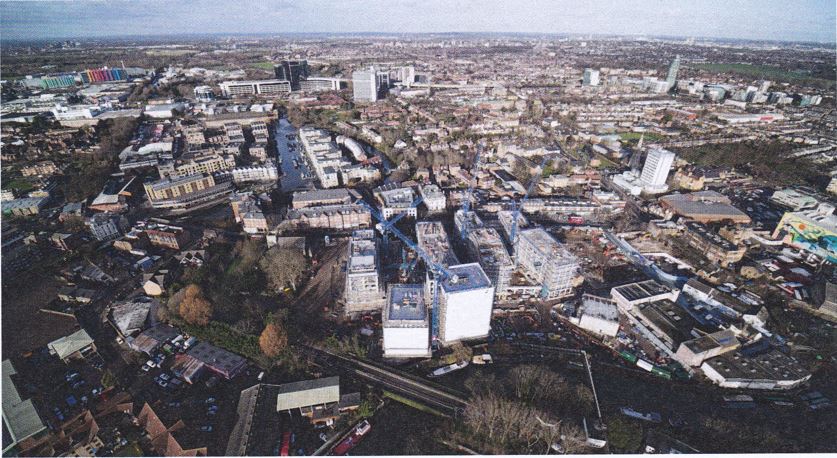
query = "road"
x=291 y=179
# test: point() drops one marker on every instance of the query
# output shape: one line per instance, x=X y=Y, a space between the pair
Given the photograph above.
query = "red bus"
x=286 y=443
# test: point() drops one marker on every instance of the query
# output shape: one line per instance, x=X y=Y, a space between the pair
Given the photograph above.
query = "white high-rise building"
x=407 y=75
x=465 y=302
x=365 y=85
x=406 y=322
x=655 y=172
x=591 y=77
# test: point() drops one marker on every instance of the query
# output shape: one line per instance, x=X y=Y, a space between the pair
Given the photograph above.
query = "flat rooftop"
x=770 y=365
x=363 y=255
x=465 y=277
x=546 y=244
x=669 y=318
x=642 y=290
x=405 y=302
x=704 y=233
x=720 y=339
x=702 y=205
x=216 y=357
x=341 y=194
x=433 y=239
x=599 y=307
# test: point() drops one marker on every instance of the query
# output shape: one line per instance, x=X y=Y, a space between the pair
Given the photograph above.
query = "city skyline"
x=813 y=21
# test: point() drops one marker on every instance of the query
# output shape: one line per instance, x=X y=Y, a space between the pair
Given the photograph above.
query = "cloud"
x=752 y=19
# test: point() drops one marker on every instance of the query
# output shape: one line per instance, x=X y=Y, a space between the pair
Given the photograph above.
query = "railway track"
x=443 y=399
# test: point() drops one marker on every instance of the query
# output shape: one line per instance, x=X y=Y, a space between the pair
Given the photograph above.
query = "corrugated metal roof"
x=20 y=416
x=70 y=344
x=308 y=393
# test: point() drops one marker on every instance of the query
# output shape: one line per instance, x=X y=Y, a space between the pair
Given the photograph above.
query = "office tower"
x=671 y=79
x=765 y=86
x=655 y=172
x=407 y=75
x=292 y=71
x=365 y=85
x=591 y=77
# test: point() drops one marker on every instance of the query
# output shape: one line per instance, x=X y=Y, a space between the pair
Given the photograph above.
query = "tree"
x=624 y=435
x=273 y=340
x=194 y=308
x=282 y=267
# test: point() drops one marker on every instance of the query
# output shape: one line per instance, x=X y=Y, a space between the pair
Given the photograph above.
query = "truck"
x=575 y=219
x=353 y=439
x=286 y=444
x=189 y=342
x=652 y=417
x=485 y=358
x=450 y=368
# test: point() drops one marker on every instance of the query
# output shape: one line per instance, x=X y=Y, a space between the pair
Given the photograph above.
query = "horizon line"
x=580 y=36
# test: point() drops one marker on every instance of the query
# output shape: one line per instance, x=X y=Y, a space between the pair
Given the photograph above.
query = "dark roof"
x=217 y=358
x=259 y=426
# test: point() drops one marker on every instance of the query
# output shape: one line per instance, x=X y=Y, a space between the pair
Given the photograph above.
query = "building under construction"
x=363 y=283
x=486 y=247
x=547 y=262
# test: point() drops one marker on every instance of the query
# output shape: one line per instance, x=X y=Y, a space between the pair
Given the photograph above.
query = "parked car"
x=206 y=428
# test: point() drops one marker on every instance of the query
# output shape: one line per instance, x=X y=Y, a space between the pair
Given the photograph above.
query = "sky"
x=788 y=20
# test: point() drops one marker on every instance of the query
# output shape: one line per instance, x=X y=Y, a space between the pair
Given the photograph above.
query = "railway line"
x=443 y=399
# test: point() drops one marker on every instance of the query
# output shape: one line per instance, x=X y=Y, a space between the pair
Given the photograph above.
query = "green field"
x=263 y=65
x=765 y=72
x=649 y=137
x=20 y=185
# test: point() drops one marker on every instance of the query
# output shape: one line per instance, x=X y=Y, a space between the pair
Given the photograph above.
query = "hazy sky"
x=795 y=20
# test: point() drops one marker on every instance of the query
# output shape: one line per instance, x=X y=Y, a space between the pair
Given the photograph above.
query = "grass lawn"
x=649 y=136
x=20 y=185
x=263 y=65
x=129 y=450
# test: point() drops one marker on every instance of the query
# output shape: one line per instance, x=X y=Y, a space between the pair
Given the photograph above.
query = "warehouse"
x=629 y=296
x=770 y=370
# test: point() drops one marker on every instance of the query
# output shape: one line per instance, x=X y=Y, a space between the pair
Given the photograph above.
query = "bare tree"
x=282 y=267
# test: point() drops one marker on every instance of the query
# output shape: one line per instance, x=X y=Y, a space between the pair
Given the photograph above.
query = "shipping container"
x=643 y=364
